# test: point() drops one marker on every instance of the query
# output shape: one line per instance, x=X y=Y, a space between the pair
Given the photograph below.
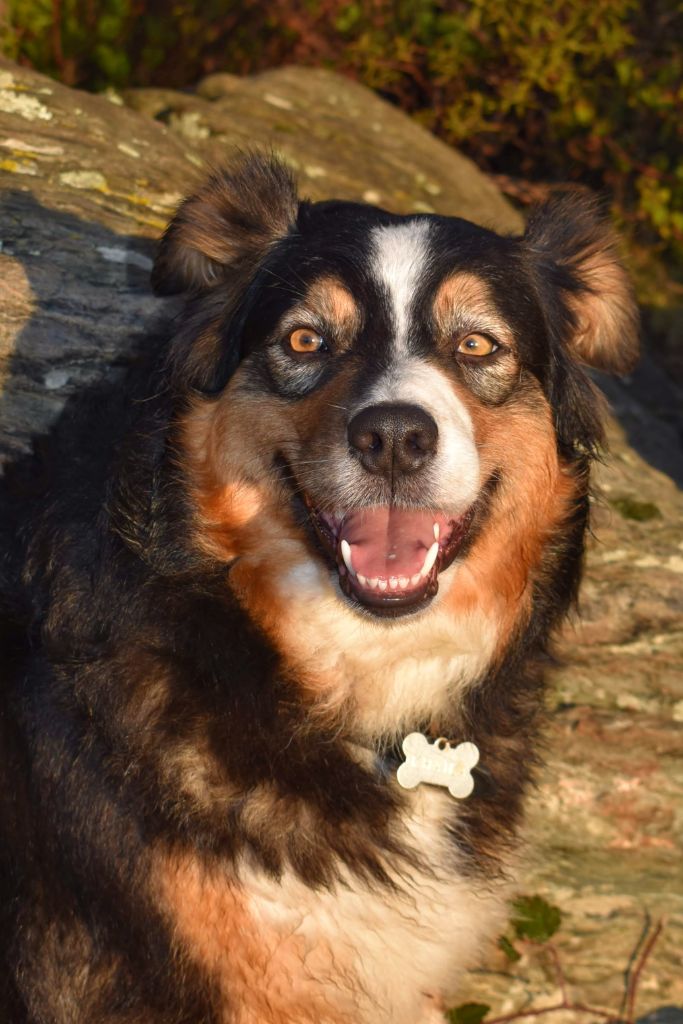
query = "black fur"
x=106 y=591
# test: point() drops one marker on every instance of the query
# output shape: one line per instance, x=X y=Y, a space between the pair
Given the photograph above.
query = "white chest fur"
x=375 y=955
x=393 y=676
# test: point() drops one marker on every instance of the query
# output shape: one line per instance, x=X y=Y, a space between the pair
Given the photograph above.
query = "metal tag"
x=438 y=764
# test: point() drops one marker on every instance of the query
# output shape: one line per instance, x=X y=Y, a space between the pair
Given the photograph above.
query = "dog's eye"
x=304 y=340
x=477 y=345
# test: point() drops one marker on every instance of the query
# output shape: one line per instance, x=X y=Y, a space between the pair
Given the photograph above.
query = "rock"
x=605 y=826
x=87 y=185
x=343 y=140
x=85 y=188
x=219 y=85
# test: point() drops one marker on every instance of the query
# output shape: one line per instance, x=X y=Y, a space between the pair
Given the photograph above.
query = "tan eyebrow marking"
x=332 y=300
x=465 y=300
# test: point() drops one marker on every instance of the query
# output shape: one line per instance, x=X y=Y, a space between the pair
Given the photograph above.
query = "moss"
x=640 y=511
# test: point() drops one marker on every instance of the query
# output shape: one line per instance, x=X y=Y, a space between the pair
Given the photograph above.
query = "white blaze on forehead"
x=452 y=480
x=400 y=254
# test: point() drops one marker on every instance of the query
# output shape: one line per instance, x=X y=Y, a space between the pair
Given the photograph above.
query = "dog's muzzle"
x=389 y=555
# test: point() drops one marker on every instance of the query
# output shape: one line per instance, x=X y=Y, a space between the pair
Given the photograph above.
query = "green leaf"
x=468 y=1013
x=534 y=918
x=509 y=950
x=584 y=111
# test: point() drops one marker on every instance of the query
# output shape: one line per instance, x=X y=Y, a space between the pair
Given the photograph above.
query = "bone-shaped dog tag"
x=438 y=764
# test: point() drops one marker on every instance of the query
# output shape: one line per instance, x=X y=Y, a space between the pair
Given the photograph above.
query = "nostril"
x=369 y=441
x=420 y=441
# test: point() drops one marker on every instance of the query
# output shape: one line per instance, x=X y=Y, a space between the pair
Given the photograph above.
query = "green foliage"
x=641 y=511
x=468 y=1013
x=534 y=919
x=552 y=90
x=548 y=90
x=71 y=40
x=509 y=950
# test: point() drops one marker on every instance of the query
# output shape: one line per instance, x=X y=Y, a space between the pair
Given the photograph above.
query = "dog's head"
x=381 y=409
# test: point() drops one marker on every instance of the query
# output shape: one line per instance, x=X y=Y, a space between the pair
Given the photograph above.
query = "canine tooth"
x=346 y=555
x=373 y=581
x=393 y=583
x=437 y=531
x=430 y=559
x=416 y=578
x=362 y=580
x=403 y=582
x=382 y=584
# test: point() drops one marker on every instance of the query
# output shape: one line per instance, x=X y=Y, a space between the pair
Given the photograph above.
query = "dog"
x=327 y=544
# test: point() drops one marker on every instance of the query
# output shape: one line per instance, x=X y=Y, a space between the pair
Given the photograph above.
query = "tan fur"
x=535 y=497
x=280 y=952
x=263 y=976
x=229 y=481
x=332 y=300
x=573 y=232
x=464 y=301
x=607 y=333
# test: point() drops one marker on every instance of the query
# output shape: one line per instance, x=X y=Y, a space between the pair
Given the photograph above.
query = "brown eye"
x=477 y=345
x=305 y=341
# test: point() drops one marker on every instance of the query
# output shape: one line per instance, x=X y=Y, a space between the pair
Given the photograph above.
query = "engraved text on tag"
x=438 y=764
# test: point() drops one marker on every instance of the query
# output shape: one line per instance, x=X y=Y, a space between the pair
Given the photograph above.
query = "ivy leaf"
x=534 y=918
x=509 y=950
x=468 y=1013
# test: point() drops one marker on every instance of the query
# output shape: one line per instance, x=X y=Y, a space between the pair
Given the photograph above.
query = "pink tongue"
x=387 y=541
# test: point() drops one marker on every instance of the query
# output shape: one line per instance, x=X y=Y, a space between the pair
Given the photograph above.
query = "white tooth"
x=362 y=580
x=382 y=584
x=430 y=559
x=403 y=582
x=393 y=583
x=346 y=555
x=372 y=582
x=436 y=531
x=416 y=578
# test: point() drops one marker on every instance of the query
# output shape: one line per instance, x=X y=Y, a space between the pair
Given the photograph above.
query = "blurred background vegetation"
x=540 y=93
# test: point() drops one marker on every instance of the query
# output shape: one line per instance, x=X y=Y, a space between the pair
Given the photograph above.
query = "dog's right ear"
x=227 y=226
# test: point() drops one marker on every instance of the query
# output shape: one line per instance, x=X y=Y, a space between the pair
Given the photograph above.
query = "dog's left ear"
x=573 y=249
x=227 y=226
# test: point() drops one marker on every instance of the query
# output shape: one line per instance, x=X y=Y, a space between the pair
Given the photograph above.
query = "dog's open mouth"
x=389 y=558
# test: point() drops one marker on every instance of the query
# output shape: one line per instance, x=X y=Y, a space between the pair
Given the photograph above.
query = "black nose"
x=393 y=439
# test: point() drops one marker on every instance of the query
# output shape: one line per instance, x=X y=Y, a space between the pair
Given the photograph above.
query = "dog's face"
x=386 y=416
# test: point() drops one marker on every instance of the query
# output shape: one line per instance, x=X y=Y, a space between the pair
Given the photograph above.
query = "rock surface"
x=343 y=140
x=605 y=826
x=87 y=184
